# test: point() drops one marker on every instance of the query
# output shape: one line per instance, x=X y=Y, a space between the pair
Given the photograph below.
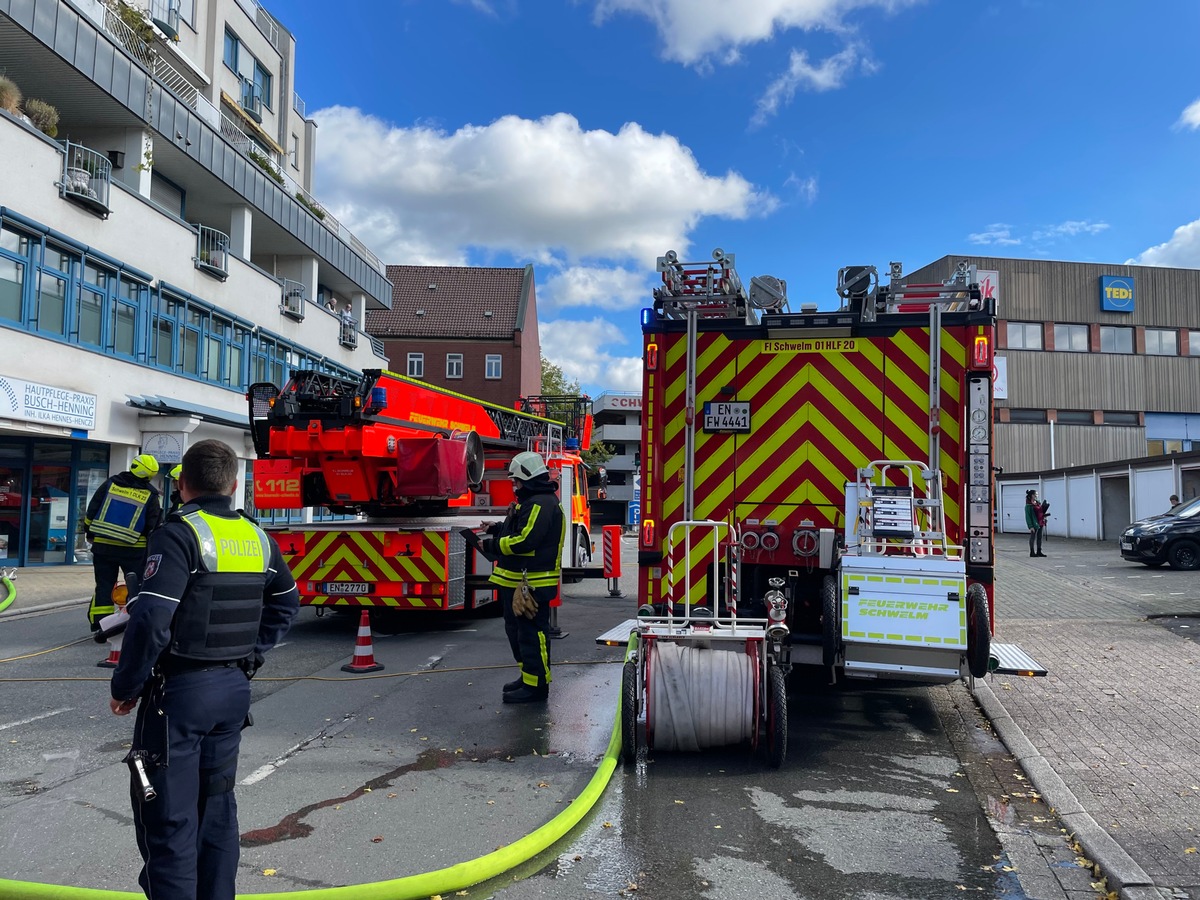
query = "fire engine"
x=817 y=489
x=422 y=469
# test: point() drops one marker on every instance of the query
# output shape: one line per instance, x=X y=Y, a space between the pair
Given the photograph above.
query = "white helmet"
x=527 y=465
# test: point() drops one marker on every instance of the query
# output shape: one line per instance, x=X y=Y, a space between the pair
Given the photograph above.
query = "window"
x=89 y=316
x=492 y=366
x=262 y=81
x=416 y=365
x=12 y=275
x=1027 y=415
x=1162 y=342
x=51 y=302
x=231 y=50
x=162 y=352
x=1193 y=342
x=233 y=374
x=1071 y=338
x=1116 y=339
x=454 y=365
x=1120 y=418
x=1075 y=417
x=295 y=154
x=1024 y=336
x=1162 y=448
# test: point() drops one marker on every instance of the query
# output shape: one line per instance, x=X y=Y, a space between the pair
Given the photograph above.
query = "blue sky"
x=590 y=136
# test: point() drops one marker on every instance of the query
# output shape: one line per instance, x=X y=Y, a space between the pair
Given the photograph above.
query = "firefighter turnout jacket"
x=530 y=540
x=215 y=590
x=123 y=511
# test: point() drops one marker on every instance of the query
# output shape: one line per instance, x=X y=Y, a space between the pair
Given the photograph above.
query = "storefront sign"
x=33 y=402
x=165 y=446
x=1116 y=293
x=618 y=402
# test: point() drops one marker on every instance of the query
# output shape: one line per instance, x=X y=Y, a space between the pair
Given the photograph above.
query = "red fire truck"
x=423 y=469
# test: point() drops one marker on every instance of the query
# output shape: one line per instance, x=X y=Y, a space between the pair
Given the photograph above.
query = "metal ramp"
x=619 y=635
x=1010 y=659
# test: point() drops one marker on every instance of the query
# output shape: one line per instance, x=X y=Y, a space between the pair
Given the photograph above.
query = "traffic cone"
x=114 y=654
x=364 y=653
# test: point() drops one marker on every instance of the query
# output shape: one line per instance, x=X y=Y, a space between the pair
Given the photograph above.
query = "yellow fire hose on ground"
x=10 y=589
x=410 y=887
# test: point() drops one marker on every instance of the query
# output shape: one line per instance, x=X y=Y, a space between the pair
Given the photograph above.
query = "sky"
x=589 y=137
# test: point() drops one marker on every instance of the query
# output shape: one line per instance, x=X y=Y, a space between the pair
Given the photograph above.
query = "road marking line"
x=47 y=715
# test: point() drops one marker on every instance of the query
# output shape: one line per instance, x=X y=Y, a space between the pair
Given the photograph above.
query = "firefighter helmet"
x=144 y=466
x=527 y=465
x=176 y=471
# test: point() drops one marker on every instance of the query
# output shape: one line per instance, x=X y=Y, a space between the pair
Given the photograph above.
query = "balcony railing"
x=212 y=251
x=298 y=104
x=86 y=178
x=251 y=99
x=292 y=300
x=165 y=15
x=348 y=332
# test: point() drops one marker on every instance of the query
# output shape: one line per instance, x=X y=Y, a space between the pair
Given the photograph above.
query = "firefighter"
x=120 y=514
x=527 y=547
x=176 y=498
x=215 y=596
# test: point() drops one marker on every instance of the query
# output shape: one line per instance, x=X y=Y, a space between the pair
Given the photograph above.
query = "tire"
x=629 y=712
x=831 y=626
x=777 y=716
x=979 y=631
x=583 y=548
x=1184 y=555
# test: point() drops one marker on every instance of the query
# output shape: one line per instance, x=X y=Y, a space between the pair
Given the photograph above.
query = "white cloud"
x=998 y=233
x=544 y=190
x=1070 y=228
x=577 y=347
x=1190 y=117
x=806 y=188
x=695 y=31
x=1181 y=251
x=801 y=74
x=608 y=289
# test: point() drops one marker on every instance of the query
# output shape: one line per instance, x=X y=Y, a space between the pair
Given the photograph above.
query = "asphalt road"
x=887 y=792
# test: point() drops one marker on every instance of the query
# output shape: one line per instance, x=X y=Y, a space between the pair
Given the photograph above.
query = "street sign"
x=634 y=516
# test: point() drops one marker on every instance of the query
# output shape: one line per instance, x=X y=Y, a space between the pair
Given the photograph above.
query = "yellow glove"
x=524 y=602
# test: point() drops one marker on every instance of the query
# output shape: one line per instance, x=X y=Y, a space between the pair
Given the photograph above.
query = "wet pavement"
x=1110 y=739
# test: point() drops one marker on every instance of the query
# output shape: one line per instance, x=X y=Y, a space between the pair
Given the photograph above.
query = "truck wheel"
x=979 y=631
x=583 y=548
x=629 y=712
x=777 y=716
x=1184 y=555
x=831 y=627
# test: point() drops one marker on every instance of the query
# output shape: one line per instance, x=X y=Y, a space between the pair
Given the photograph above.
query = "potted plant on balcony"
x=214 y=258
x=10 y=96
x=43 y=116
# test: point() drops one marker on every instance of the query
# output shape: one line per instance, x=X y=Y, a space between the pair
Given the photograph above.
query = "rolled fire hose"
x=10 y=592
x=700 y=697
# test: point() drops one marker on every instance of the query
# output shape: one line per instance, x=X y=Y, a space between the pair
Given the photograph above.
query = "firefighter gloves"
x=524 y=603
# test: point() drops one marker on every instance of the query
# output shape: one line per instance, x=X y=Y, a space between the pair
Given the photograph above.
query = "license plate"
x=333 y=588
x=1126 y=545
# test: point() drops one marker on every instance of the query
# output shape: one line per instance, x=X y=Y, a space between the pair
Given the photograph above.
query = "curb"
x=42 y=607
x=1123 y=874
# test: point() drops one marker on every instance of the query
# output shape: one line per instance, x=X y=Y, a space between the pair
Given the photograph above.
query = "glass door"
x=12 y=481
x=49 y=503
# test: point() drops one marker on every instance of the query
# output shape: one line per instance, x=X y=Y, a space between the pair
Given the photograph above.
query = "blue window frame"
x=15 y=248
x=231 y=49
x=262 y=81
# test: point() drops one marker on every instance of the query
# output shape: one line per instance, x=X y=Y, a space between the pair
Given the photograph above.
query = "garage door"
x=1012 y=505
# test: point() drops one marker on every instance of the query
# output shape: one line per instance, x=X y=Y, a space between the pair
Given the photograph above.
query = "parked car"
x=1172 y=537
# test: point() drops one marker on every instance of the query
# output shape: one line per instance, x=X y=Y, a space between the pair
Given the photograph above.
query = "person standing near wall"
x=122 y=512
x=1034 y=521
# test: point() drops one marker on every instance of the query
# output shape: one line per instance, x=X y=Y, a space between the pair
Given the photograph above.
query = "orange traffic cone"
x=364 y=653
x=114 y=656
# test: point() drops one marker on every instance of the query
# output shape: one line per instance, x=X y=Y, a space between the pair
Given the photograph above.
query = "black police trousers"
x=528 y=638
x=188 y=834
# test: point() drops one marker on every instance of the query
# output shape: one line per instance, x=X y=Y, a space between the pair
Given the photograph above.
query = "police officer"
x=528 y=543
x=215 y=596
x=120 y=514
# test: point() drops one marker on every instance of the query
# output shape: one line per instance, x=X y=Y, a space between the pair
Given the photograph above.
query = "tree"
x=555 y=382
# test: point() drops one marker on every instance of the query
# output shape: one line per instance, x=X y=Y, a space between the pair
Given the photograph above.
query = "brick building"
x=472 y=329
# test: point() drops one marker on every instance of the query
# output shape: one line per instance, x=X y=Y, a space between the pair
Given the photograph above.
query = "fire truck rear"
x=830 y=472
x=422 y=469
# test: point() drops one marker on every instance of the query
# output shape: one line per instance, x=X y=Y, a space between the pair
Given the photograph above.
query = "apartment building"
x=617 y=416
x=160 y=247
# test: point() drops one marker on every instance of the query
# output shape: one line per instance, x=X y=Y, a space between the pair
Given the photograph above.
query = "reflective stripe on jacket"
x=218 y=618
x=122 y=516
x=531 y=540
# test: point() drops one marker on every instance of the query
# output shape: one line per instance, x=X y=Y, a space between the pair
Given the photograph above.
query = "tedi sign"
x=1116 y=293
x=44 y=403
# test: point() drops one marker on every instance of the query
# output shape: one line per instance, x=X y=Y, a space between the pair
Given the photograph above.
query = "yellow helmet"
x=144 y=466
x=176 y=470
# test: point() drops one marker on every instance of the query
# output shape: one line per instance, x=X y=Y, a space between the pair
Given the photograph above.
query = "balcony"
x=292 y=301
x=251 y=100
x=348 y=332
x=212 y=252
x=86 y=178
x=165 y=16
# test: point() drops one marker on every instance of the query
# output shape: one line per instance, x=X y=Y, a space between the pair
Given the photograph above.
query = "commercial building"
x=160 y=248
x=617 y=416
